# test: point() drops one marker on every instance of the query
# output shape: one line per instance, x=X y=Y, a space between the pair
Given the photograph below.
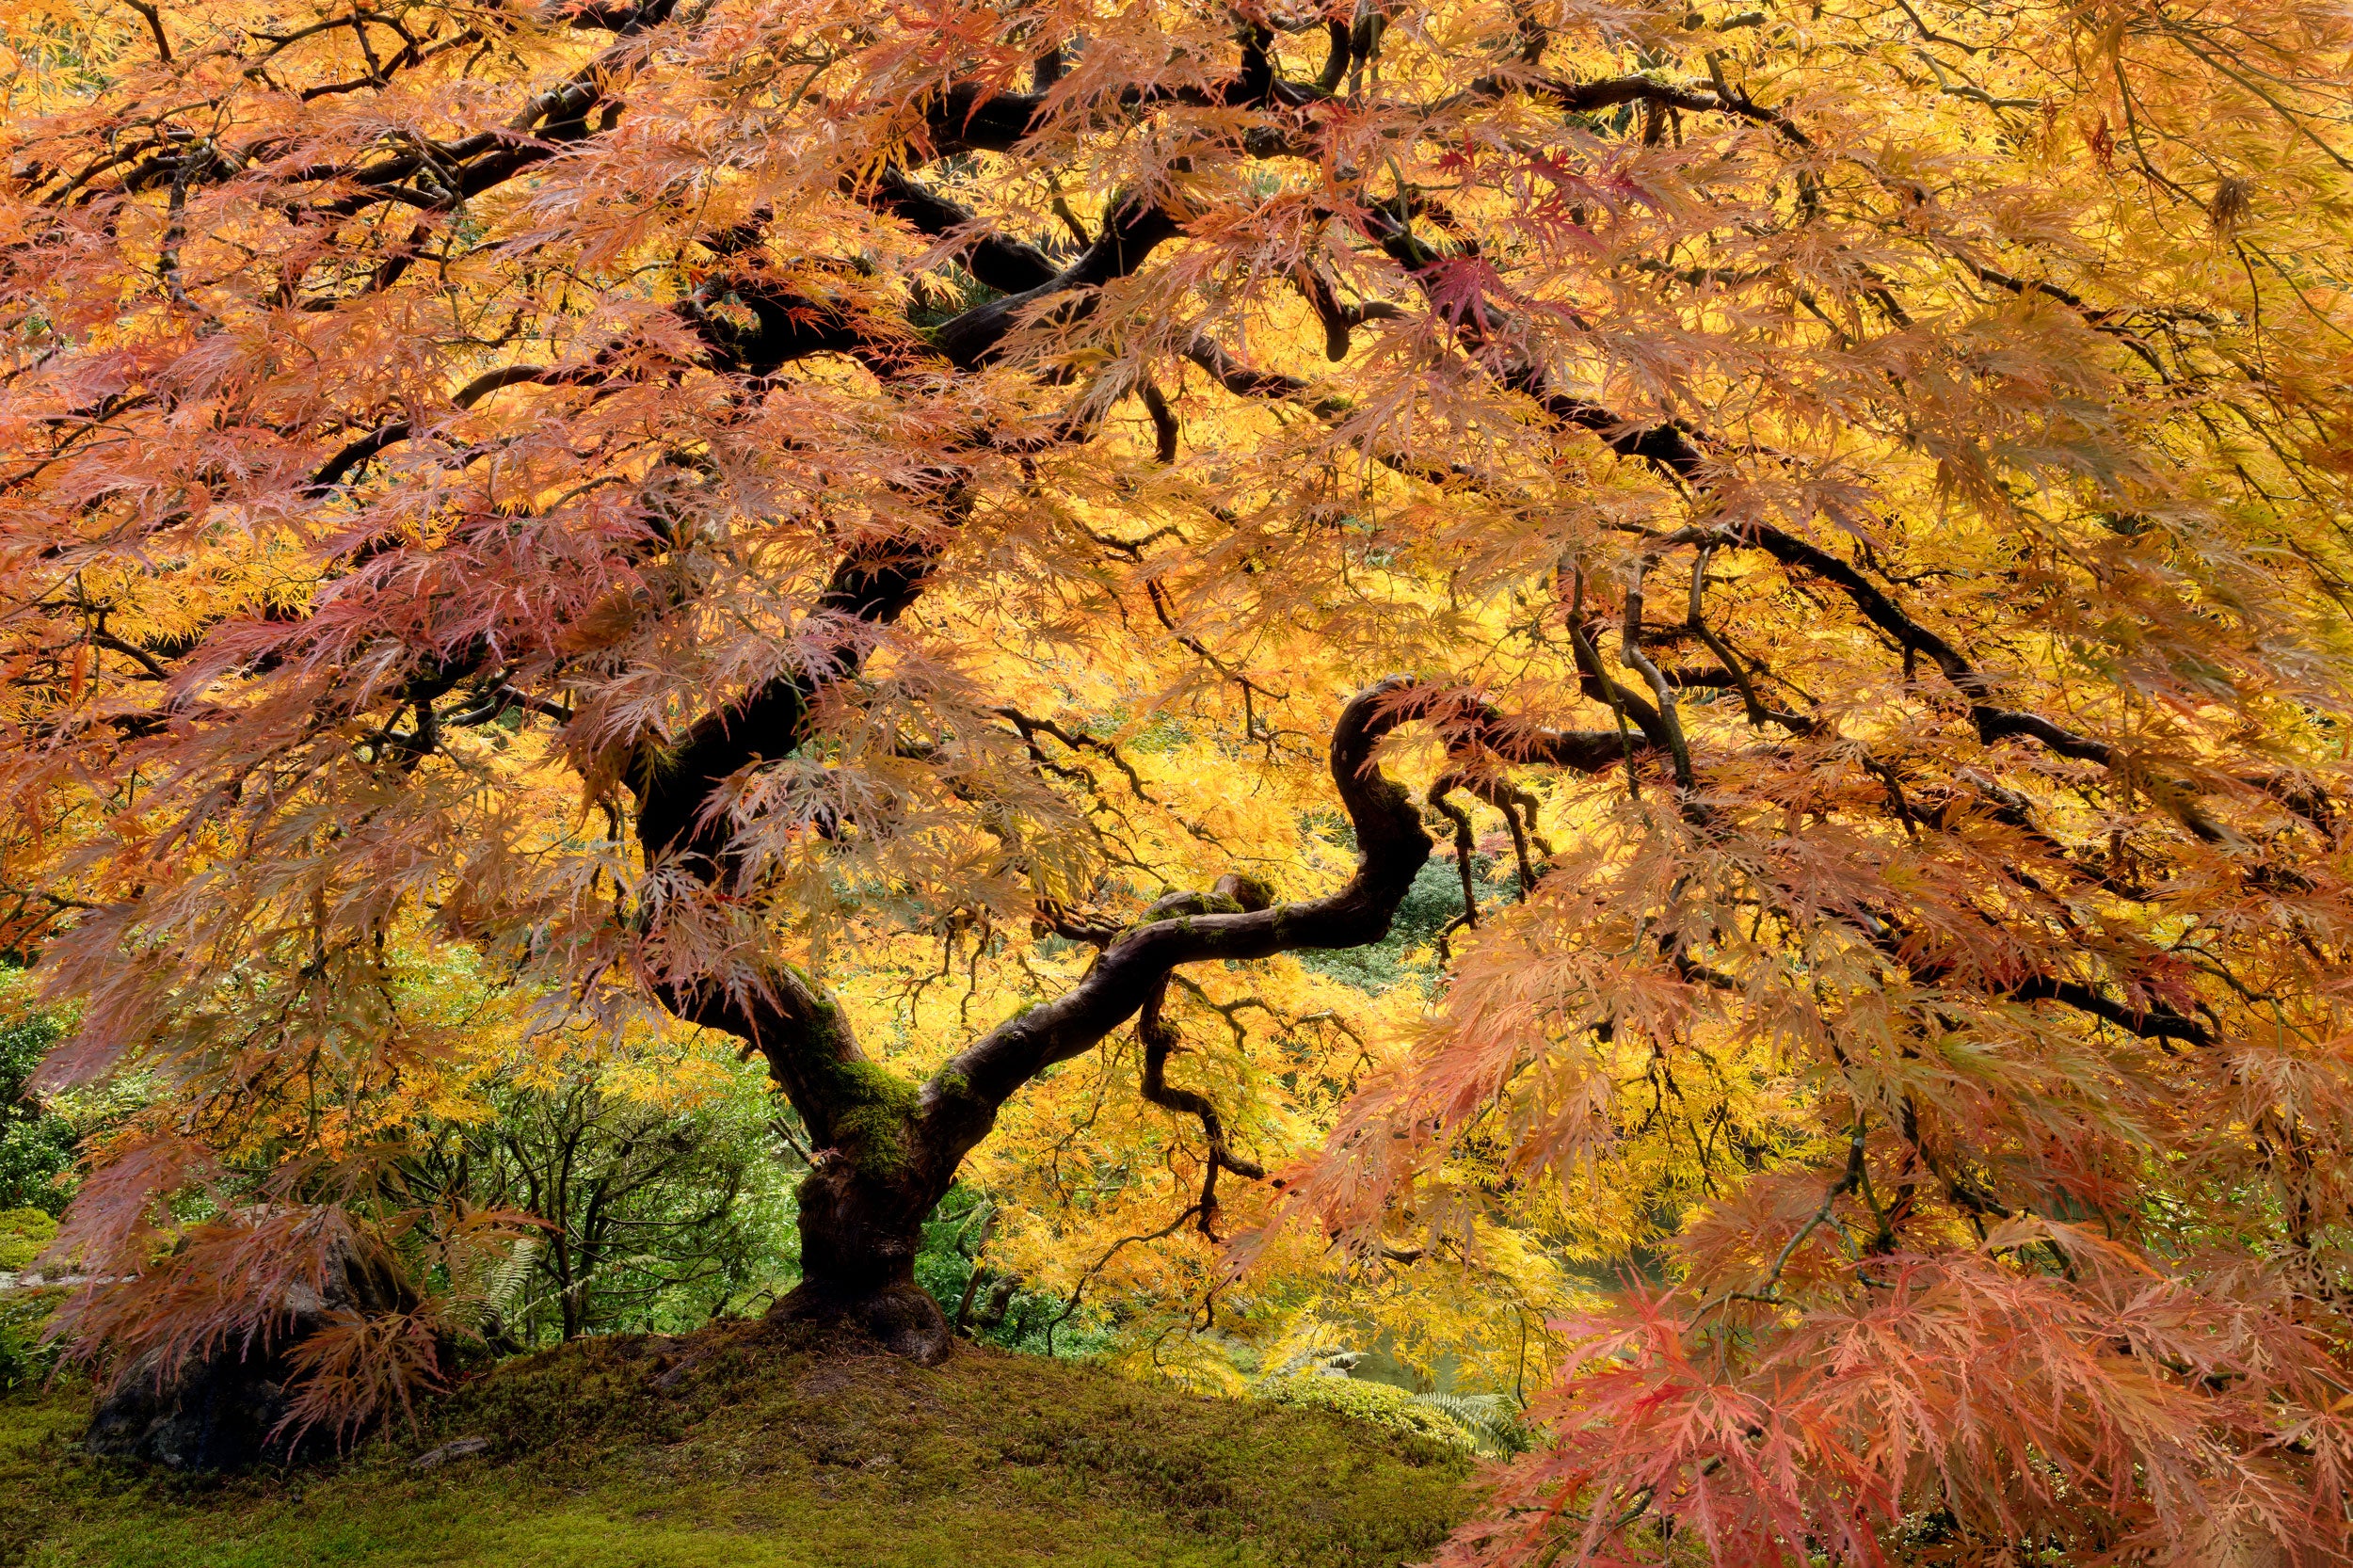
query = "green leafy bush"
x=36 y=1141
x=24 y=1358
x=653 y=1217
x=996 y=1310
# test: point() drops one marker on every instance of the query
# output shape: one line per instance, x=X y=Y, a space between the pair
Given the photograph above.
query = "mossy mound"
x=760 y=1447
x=1393 y=1408
x=23 y=1232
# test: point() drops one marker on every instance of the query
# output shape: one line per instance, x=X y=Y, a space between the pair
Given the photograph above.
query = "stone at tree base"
x=217 y=1414
x=221 y=1411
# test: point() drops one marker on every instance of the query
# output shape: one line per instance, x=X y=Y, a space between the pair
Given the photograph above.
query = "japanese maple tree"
x=1832 y=513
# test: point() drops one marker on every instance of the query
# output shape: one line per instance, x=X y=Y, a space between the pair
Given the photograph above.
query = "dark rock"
x=223 y=1411
x=217 y=1414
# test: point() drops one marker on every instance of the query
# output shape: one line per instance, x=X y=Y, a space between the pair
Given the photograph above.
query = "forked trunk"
x=888 y=1150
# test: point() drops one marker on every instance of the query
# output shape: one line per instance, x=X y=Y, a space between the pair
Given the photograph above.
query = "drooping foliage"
x=908 y=539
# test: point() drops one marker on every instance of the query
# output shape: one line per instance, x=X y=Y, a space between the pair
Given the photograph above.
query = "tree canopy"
x=978 y=552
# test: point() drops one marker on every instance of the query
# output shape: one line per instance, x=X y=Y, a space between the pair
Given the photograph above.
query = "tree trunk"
x=886 y=1152
x=860 y=1230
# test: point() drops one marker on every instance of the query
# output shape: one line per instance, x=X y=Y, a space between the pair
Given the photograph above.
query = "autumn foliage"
x=926 y=542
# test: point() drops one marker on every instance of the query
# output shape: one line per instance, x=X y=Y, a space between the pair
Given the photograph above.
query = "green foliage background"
x=36 y=1143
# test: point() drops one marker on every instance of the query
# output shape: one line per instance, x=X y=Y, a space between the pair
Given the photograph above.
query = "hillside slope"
x=748 y=1446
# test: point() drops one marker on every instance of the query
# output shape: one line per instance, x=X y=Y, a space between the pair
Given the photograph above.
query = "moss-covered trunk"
x=883 y=1166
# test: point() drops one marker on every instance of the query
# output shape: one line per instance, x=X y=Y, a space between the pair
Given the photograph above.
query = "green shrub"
x=1001 y=1312
x=36 y=1142
x=24 y=1357
x=23 y=1232
x=655 y=1218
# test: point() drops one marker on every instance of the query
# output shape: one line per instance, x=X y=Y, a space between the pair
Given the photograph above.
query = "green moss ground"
x=748 y=1446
